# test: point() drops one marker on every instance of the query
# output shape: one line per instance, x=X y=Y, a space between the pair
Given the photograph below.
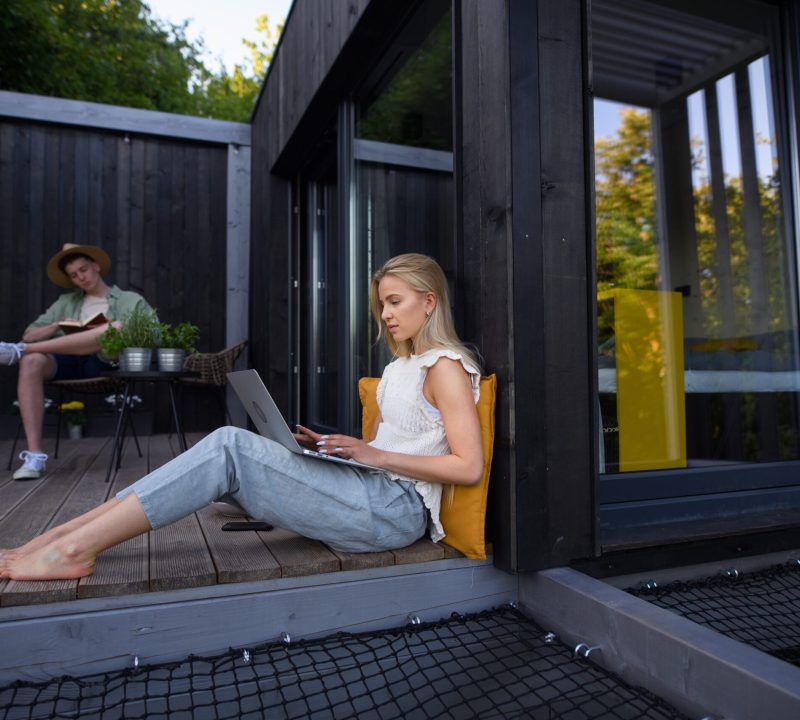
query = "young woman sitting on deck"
x=427 y=435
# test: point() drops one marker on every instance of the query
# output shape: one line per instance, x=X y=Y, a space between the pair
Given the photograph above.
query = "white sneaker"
x=10 y=353
x=33 y=465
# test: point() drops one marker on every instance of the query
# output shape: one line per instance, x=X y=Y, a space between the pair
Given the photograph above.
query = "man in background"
x=47 y=353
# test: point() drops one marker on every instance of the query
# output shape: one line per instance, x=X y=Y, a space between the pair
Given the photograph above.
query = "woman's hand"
x=344 y=446
x=306 y=437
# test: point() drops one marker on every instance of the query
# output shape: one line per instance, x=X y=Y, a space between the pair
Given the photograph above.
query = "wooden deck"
x=191 y=553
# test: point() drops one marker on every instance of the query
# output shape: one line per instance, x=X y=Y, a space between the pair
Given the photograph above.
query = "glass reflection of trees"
x=627 y=247
x=415 y=108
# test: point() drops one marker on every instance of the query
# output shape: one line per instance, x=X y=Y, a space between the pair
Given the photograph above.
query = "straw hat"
x=59 y=277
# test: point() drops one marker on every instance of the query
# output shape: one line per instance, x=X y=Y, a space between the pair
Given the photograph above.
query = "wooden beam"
x=692 y=667
x=121 y=119
x=106 y=634
x=237 y=299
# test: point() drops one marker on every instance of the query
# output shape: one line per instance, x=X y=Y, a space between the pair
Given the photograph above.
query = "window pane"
x=412 y=103
x=697 y=296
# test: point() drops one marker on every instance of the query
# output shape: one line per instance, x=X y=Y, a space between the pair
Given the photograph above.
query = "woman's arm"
x=448 y=387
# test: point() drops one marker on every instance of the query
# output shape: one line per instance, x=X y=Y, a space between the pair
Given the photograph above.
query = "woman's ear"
x=430 y=302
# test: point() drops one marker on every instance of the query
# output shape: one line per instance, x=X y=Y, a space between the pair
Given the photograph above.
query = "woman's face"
x=404 y=309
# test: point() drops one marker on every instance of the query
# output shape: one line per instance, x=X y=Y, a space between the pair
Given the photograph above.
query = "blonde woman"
x=427 y=436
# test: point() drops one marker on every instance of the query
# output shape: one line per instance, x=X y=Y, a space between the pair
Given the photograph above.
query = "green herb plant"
x=140 y=329
x=181 y=337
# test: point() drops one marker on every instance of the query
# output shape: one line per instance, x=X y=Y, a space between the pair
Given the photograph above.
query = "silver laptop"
x=268 y=419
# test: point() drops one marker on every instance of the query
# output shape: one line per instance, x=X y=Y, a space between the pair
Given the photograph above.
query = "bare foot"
x=49 y=563
x=8 y=555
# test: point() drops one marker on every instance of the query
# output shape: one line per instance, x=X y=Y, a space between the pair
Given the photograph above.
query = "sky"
x=221 y=24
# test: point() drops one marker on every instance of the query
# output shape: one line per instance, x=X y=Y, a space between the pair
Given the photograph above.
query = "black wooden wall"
x=157 y=206
x=523 y=219
x=524 y=265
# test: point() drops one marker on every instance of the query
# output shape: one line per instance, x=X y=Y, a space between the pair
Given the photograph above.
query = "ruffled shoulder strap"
x=430 y=358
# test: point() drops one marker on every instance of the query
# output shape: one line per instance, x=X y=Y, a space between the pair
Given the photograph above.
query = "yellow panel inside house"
x=651 y=412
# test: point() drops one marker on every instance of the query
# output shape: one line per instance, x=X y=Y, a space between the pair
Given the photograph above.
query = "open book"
x=73 y=326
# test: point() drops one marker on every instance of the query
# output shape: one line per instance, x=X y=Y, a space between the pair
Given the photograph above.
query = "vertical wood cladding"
x=522 y=199
x=157 y=206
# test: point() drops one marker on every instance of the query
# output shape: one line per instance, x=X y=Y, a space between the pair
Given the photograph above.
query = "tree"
x=116 y=52
x=233 y=97
x=109 y=51
x=627 y=247
x=625 y=206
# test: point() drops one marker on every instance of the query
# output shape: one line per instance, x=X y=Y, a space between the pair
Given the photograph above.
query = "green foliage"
x=181 y=337
x=140 y=328
x=625 y=206
x=111 y=343
x=116 y=52
x=233 y=97
x=627 y=247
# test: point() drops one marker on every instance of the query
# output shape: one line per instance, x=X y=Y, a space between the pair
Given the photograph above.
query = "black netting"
x=495 y=664
x=759 y=608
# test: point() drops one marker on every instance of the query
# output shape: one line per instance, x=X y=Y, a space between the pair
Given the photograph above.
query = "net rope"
x=759 y=608
x=493 y=664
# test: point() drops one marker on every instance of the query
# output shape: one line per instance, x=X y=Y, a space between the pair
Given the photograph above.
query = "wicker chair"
x=214 y=369
x=85 y=386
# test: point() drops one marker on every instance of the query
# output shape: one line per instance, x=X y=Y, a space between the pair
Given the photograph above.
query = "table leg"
x=176 y=419
x=116 y=452
x=132 y=426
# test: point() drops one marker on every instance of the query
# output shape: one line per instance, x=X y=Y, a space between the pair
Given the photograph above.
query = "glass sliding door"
x=380 y=183
x=321 y=356
x=699 y=350
x=402 y=167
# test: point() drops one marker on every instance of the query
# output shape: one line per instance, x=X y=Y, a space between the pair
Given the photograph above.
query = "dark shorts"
x=75 y=367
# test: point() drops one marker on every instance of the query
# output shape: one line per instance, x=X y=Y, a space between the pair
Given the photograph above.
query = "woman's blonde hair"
x=424 y=275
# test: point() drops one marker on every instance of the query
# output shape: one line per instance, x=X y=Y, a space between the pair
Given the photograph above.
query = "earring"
x=427 y=313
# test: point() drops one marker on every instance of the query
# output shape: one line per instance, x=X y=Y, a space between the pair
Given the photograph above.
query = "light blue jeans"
x=350 y=509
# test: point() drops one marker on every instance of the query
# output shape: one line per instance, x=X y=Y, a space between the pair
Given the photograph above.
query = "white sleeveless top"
x=412 y=425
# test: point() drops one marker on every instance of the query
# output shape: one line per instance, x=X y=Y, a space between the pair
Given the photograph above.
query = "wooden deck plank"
x=299 y=555
x=363 y=561
x=238 y=556
x=124 y=569
x=193 y=552
x=159 y=453
x=12 y=492
x=88 y=491
x=179 y=557
x=421 y=551
x=25 y=592
x=33 y=514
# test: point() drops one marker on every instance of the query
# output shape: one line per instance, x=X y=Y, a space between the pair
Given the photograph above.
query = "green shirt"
x=68 y=305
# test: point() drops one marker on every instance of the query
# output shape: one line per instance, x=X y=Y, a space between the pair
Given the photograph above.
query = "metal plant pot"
x=135 y=359
x=75 y=432
x=170 y=359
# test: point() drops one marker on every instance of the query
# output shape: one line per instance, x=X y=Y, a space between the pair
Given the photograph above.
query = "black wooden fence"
x=156 y=205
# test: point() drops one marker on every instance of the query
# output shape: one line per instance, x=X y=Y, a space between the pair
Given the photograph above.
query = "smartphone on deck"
x=234 y=526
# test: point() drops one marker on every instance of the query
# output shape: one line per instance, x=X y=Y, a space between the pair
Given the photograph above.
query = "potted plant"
x=176 y=343
x=75 y=416
x=132 y=344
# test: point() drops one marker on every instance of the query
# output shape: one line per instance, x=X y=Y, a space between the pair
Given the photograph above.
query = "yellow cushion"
x=464 y=519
